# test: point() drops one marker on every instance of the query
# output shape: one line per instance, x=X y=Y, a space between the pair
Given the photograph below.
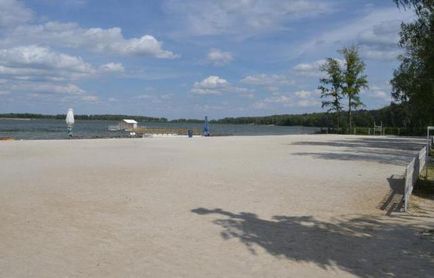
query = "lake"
x=56 y=129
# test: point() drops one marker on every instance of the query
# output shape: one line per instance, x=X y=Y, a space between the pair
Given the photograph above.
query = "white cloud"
x=286 y=101
x=33 y=62
x=18 y=20
x=40 y=71
x=303 y=94
x=212 y=85
x=89 y=98
x=50 y=88
x=153 y=96
x=313 y=69
x=49 y=92
x=385 y=54
x=268 y=80
x=112 y=67
x=208 y=17
x=297 y=99
x=30 y=66
x=94 y=39
x=378 y=92
x=12 y=13
x=218 y=57
x=308 y=103
x=307 y=98
x=70 y=4
x=382 y=33
x=25 y=86
x=309 y=69
x=377 y=34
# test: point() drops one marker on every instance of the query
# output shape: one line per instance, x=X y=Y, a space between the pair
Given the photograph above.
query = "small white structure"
x=379 y=129
x=128 y=124
x=70 y=121
x=70 y=117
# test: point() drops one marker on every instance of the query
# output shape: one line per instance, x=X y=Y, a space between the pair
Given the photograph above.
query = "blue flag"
x=205 y=127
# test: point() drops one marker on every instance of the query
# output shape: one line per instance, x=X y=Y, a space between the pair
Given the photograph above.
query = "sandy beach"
x=264 y=206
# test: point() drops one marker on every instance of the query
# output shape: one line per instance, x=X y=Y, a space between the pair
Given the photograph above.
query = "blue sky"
x=190 y=58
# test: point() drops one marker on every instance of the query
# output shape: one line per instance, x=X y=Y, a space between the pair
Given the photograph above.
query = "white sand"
x=269 y=206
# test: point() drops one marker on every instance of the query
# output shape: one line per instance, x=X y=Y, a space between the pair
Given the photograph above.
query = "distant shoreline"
x=17 y=119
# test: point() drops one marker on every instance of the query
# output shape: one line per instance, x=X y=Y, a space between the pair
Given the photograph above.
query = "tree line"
x=391 y=116
x=106 y=117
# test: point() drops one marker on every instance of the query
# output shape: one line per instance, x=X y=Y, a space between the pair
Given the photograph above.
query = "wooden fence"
x=412 y=172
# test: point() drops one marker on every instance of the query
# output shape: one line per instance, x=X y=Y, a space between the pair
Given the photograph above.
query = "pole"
x=70 y=131
x=428 y=147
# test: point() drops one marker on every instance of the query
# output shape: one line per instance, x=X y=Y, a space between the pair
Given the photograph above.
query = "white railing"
x=422 y=158
x=412 y=172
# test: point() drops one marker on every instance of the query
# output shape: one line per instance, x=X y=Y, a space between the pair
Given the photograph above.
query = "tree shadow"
x=407 y=143
x=397 y=158
x=363 y=246
x=394 y=151
x=424 y=188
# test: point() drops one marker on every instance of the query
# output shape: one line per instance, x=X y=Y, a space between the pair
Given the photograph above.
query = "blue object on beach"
x=205 y=127
x=190 y=133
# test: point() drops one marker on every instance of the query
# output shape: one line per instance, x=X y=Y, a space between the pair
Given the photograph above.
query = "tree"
x=413 y=80
x=331 y=87
x=354 y=79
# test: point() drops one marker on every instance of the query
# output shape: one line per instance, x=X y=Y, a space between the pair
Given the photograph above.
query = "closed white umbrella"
x=70 y=121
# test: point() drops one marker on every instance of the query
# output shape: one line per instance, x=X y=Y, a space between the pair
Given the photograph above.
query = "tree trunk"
x=349 y=113
x=337 y=121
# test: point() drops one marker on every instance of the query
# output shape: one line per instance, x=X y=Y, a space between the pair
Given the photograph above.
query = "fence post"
x=405 y=190
x=426 y=162
x=428 y=146
x=428 y=149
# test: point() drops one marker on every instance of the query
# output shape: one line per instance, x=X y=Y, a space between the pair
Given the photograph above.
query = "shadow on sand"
x=362 y=246
x=394 y=200
x=395 y=151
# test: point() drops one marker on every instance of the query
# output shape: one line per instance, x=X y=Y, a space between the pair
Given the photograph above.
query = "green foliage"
x=354 y=79
x=331 y=87
x=313 y=119
x=390 y=116
x=418 y=5
x=413 y=81
x=347 y=81
x=182 y=120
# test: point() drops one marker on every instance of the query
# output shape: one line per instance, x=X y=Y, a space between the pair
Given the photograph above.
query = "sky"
x=188 y=58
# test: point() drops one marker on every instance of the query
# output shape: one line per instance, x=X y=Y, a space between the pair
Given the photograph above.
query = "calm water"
x=56 y=129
